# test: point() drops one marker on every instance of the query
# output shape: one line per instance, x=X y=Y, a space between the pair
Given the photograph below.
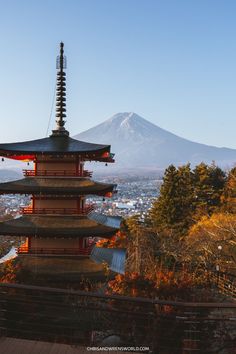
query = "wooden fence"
x=226 y=283
x=77 y=317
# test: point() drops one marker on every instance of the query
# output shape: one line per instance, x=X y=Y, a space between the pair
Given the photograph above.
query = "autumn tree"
x=213 y=240
x=229 y=193
x=140 y=262
x=117 y=241
x=142 y=245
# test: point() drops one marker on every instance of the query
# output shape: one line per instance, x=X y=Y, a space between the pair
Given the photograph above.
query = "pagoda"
x=58 y=220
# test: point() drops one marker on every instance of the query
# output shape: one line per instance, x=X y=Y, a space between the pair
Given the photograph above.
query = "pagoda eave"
x=56 y=186
x=60 y=226
x=21 y=156
x=55 y=146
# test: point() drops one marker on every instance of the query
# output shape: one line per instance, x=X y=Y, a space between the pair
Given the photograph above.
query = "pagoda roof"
x=58 y=145
x=59 y=226
x=57 y=186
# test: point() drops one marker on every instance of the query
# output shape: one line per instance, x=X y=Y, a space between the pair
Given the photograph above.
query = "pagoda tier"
x=56 y=226
x=55 y=147
x=57 y=186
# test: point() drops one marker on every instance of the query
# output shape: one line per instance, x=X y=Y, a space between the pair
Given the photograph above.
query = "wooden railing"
x=56 y=173
x=62 y=211
x=55 y=251
x=225 y=283
x=68 y=316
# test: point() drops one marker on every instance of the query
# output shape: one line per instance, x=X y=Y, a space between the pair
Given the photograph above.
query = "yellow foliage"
x=213 y=239
x=219 y=226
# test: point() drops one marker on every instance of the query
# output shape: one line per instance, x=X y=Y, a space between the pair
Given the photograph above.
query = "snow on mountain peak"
x=128 y=120
x=120 y=117
x=129 y=124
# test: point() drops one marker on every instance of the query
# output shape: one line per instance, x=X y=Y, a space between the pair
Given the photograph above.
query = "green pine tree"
x=172 y=211
x=209 y=182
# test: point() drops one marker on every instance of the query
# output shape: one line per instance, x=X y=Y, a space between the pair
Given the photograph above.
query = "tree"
x=213 y=240
x=209 y=182
x=229 y=194
x=140 y=263
x=185 y=197
x=141 y=247
x=132 y=284
x=8 y=272
x=172 y=211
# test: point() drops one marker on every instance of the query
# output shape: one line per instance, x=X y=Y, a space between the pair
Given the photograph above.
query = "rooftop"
x=55 y=145
x=58 y=186
x=61 y=226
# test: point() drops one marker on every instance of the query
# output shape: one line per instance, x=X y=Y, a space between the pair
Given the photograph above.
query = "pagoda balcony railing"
x=57 y=173
x=56 y=251
x=62 y=211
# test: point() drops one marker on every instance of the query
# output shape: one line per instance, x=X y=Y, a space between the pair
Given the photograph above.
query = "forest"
x=188 y=236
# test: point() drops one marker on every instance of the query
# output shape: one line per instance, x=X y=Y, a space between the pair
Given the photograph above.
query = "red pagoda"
x=58 y=220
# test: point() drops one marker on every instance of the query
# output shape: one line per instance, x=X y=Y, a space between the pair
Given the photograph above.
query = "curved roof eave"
x=53 y=145
x=57 y=186
x=57 y=226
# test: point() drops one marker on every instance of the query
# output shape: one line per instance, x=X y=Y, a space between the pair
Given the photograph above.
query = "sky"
x=173 y=62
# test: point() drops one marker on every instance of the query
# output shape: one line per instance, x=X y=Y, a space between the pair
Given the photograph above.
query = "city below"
x=135 y=195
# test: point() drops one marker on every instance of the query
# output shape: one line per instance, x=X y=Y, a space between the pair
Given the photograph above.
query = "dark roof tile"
x=53 y=145
x=57 y=186
x=57 y=226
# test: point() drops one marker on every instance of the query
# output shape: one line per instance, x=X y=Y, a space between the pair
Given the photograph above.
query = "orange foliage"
x=117 y=241
x=162 y=284
x=172 y=285
x=131 y=284
x=9 y=273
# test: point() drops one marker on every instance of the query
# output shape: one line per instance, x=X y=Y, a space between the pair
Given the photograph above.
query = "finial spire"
x=61 y=94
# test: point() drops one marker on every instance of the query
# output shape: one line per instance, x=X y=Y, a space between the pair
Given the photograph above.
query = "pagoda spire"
x=61 y=95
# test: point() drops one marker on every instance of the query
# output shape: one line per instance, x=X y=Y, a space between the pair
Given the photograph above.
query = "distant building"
x=128 y=205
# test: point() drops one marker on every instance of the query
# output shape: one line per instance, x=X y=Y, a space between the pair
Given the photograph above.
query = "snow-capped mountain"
x=138 y=143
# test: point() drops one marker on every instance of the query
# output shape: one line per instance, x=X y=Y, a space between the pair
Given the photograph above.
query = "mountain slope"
x=140 y=143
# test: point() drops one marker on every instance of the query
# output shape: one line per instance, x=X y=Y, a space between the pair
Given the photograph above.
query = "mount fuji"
x=140 y=144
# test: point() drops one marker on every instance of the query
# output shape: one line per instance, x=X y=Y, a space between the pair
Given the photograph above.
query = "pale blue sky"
x=171 y=61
